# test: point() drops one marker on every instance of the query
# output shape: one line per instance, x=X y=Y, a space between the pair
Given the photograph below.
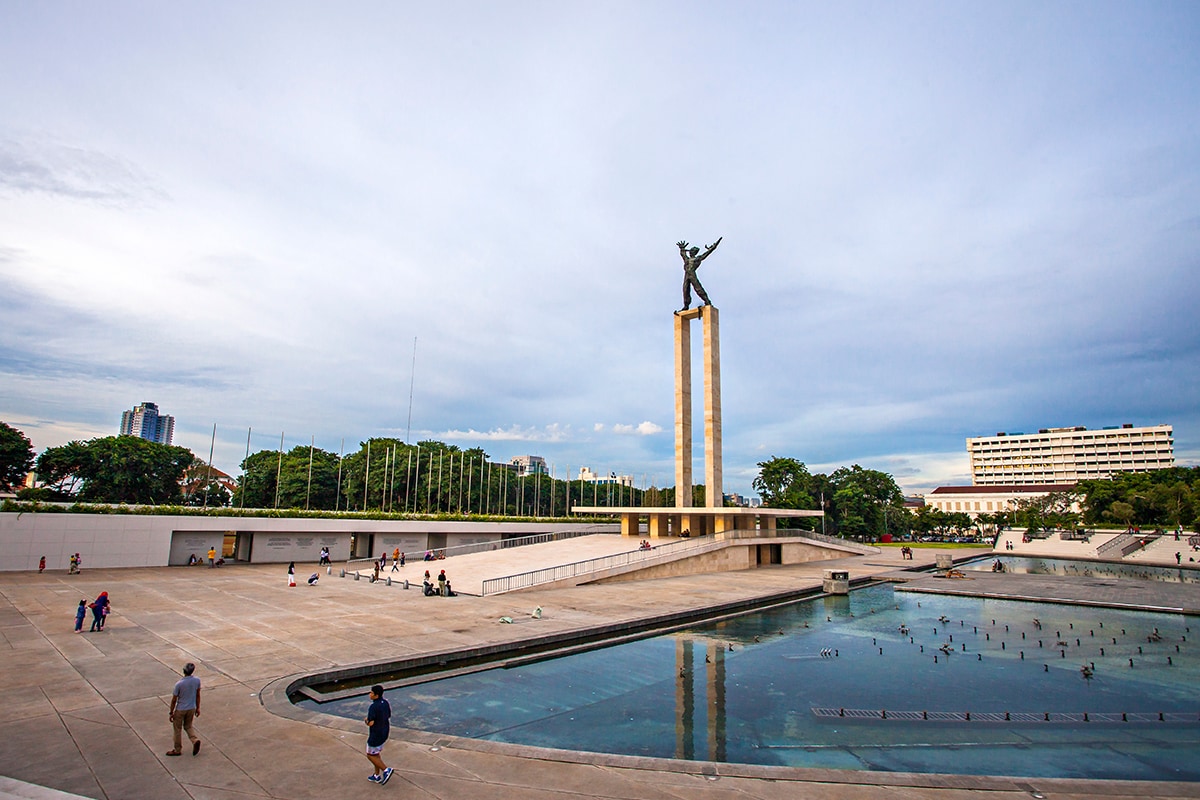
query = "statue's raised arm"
x=708 y=250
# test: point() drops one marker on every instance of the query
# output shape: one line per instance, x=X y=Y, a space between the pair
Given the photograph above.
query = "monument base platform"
x=698 y=521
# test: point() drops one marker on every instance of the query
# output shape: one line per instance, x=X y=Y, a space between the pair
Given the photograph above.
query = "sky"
x=457 y=221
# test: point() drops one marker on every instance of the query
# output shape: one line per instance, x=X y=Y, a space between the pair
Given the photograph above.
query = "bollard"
x=329 y=570
x=357 y=576
x=406 y=583
x=343 y=574
x=389 y=580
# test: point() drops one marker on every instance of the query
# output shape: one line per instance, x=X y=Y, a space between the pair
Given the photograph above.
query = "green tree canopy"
x=1164 y=497
x=116 y=469
x=863 y=503
x=16 y=457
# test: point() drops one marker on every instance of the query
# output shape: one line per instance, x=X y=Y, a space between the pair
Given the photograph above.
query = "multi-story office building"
x=529 y=465
x=587 y=476
x=145 y=422
x=1068 y=455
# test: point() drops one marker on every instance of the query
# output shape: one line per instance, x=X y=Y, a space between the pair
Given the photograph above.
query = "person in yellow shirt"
x=212 y=556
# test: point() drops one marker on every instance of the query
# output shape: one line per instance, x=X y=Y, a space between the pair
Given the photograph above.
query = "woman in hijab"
x=99 y=612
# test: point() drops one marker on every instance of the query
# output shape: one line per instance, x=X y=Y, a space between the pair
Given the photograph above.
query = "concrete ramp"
x=468 y=572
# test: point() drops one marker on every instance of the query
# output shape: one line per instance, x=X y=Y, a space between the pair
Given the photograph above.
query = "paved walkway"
x=1161 y=552
x=87 y=713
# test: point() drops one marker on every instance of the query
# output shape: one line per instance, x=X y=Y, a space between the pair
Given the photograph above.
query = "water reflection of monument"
x=712 y=688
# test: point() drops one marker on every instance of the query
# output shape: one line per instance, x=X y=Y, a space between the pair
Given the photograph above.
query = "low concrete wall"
x=738 y=554
x=145 y=540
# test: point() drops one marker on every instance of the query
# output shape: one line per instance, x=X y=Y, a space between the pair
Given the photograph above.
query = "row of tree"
x=432 y=477
x=429 y=477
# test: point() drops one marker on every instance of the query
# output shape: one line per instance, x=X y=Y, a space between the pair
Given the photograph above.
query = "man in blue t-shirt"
x=378 y=716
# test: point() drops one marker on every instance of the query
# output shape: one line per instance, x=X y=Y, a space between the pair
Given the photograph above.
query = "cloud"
x=45 y=166
x=514 y=433
x=644 y=429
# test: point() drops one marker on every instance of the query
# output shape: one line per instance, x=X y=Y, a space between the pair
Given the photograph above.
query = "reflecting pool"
x=808 y=685
x=1088 y=569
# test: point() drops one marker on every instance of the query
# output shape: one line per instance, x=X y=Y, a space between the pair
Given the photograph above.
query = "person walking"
x=396 y=560
x=80 y=615
x=99 y=612
x=292 y=574
x=378 y=721
x=185 y=707
x=42 y=565
x=75 y=561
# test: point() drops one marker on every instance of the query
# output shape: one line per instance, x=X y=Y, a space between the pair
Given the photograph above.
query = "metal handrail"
x=1112 y=544
x=865 y=549
x=524 y=580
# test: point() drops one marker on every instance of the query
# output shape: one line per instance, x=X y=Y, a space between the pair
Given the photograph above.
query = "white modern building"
x=1068 y=455
x=145 y=422
x=976 y=500
x=529 y=465
x=587 y=476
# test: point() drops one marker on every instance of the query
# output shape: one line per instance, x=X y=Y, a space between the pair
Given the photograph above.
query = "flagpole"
x=208 y=477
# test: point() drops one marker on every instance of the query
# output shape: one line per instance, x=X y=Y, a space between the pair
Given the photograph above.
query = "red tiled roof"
x=1028 y=488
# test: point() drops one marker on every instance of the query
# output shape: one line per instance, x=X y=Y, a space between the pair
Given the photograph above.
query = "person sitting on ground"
x=312 y=579
x=192 y=560
x=428 y=590
x=449 y=591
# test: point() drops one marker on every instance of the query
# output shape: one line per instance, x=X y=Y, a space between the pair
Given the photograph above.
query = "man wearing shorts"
x=378 y=728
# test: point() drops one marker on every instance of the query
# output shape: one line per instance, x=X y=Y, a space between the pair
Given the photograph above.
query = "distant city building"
x=145 y=422
x=736 y=499
x=976 y=500
x=587 y=476
x=1068 y=455
x=529 y=465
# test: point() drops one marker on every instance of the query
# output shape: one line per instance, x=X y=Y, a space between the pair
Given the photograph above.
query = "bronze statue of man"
x=691 y=262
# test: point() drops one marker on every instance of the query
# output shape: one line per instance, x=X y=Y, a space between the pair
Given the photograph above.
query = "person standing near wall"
x=185 y=706
x=212 y=557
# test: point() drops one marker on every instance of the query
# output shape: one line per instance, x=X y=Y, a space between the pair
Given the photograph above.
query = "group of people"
x=443 y=586
x=906 y=553
x=101 y=608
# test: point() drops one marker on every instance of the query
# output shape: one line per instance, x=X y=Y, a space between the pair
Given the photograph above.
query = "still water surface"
x=748 y=690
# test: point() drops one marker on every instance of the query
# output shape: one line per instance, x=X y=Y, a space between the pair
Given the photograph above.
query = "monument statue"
x=691 y=262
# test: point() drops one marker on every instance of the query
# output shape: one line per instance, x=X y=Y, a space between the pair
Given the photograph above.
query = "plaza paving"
x=87 y=713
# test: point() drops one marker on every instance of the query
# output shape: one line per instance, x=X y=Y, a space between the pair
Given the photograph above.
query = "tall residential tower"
x=145 y=422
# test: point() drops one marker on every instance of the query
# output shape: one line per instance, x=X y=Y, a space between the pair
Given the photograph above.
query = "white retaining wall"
x=144 y=540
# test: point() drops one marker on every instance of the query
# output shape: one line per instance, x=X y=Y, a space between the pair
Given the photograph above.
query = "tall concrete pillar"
x=714 y=496
x=713 y=479
x=683 y=407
